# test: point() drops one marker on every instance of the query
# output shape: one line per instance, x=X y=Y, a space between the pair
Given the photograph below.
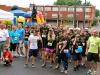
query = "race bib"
x=92 y=44
x=44 y=36
x=59 y=46
x=16 y=38
x=49 y=44
x=33 y=44
x=0 y=36
x=66 y=50
x=76 y=51
x=83 y=44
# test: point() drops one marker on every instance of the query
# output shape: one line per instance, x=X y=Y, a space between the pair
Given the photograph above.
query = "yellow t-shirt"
x=94 y=44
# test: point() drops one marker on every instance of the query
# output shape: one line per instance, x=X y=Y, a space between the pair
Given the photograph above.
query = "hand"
x=86 y=52
x=60 y=51
x=99 y=55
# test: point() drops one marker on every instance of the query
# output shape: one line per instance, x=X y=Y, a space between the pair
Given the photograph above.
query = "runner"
x=21 y=33
x=33 y=47
x=14 y=38
x=51 y=39
x=92 y=52
x=44 y=31
x=27 y=34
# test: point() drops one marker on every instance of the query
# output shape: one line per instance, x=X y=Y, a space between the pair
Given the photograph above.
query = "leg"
x=45 y=57
x=51 y=58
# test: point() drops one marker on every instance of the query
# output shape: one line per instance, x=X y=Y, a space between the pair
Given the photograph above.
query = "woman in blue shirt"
x=14 y=38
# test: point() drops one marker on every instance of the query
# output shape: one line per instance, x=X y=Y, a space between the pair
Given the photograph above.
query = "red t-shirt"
x=8 y=54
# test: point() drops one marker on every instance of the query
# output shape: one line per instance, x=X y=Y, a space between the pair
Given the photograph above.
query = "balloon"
x=21 y=19
x=38 y=19
x=42 y=19
x=68 y=55
x=80 y=49
x=28 y=20
x=9 y=22
x=15 y=21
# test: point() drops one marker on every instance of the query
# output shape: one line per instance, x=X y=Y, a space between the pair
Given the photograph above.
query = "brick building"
x=57 y=14
x=8 y=8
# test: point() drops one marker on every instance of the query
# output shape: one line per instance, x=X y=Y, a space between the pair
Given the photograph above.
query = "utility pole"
x=75 y=14
x=84 y=25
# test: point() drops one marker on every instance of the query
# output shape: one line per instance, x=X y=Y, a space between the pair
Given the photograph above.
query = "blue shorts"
x=33 y=52
x=25 y=42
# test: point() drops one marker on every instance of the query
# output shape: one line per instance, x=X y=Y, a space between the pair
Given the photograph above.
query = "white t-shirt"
x=33 y=41
x=3 y=34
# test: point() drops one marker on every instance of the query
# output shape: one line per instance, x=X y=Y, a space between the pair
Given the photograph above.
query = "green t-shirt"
x=94 y=44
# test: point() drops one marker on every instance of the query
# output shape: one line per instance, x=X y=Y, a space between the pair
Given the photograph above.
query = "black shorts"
x=77 y=56
x=92 y=56
x=39 y=44
x=13 y=46
x=33 y=52
x=83 y=52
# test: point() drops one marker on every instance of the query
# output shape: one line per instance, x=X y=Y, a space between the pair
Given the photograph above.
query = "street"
x=17 y=68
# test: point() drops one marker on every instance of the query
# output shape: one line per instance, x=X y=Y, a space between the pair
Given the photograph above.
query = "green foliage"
x=68 y=2
x=95 y=22
x=88 y=3
x=68 y=20
x=97 y=13
x=26 y=9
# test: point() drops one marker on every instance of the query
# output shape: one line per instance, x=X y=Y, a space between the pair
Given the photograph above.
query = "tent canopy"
x=4 y=15
x=20 y=13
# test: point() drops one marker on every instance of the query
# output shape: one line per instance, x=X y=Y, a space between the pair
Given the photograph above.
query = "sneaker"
x=42 y=59
x=89 y=73
x=62 y=70
x=66 y=72
x=94 y=73
x=70 y=61
x=75 y=69
x=33 y=66
x=56 y=68
x=43 y=66
x=50 y=66
x=20 y=55
x=26 y=65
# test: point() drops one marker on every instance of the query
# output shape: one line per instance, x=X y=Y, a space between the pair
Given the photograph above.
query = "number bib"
x=44 y=36
x=92 y=44
x=83 y=44
x=76 y=51
x=49 y=44
x=16 y=38
x=59 y=46
x=66 y=50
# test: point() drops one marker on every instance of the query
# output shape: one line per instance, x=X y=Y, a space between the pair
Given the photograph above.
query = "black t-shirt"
x=75 y=47
x=27 y=34
x=51 y=43
x=71 y=36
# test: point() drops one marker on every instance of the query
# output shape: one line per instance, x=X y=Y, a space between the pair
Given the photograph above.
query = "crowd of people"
x=61 y=44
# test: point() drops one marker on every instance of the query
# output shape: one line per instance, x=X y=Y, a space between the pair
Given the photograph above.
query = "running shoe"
x=62 y=70
x=26 y=65
x=75 y=69
x=94 y=73
x=66 y=72
x=56 y=68
x=43 y=66
x=89 y=73
x=22 y=53
x=33 y=66
x=50 y=66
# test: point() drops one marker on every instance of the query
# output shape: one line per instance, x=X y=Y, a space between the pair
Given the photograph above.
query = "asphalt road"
x=17 y=68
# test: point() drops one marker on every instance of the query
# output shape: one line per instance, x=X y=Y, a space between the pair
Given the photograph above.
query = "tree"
x=68 y=2
x=97 y=13
x=88 y=3
x=26 y=9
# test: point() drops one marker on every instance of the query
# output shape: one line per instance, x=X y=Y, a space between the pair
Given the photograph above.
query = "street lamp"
x=84 y=14
x=75 y=15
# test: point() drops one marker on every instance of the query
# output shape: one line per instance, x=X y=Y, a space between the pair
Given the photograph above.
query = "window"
x=55 y=9
x=70 y=9
x=88 y=10
x=54 y=16
x=47 y=8
x=31 y=8
x=79 y=10
x=87 y=16
x=63 y=9
x=70 y=15
x=40 y=8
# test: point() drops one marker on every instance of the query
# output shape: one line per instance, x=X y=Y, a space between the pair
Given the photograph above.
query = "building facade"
x=58 y=14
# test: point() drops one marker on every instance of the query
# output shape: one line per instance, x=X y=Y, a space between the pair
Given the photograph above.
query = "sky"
x=39 y=2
